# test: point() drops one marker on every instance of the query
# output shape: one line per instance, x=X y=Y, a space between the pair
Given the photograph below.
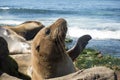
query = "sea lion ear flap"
x=79 y=46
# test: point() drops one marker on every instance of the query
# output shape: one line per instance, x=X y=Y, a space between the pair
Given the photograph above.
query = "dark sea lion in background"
x=49 y=58
x=28 y=29
x=79 y=46
x=3 y=47
x=7 y=64
x=16 y=43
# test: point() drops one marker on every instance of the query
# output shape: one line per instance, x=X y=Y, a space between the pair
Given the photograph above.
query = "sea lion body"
x=16 y=43
x=28 y=29
x=49 y=58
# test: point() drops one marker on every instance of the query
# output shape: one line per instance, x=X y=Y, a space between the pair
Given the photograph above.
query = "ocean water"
x=98 y=18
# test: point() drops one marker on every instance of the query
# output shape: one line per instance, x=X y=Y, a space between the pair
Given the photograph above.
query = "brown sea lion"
x=27 y=29
x=16 y=43
x=79 y=46
x=49 y=58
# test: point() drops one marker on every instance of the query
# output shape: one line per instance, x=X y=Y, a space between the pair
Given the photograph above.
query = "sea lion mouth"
x=59 y=29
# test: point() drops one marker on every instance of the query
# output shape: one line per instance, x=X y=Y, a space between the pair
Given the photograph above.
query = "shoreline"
x=105 y=46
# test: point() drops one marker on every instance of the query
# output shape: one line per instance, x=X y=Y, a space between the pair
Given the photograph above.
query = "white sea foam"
x=10 y=22
x=91 y=23
x=96 y=34
x=4 y=8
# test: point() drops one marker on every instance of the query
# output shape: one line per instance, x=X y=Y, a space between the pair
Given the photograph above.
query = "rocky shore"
x=16 y=65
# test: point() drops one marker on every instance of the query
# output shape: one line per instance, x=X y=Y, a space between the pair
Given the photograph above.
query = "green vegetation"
x=89 y=58
x=68 y=40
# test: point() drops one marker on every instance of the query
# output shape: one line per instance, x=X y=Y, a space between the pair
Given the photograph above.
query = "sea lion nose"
x=63 y=24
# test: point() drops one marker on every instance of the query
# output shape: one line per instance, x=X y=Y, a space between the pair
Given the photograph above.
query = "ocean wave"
x=10 y=22
x=96 y=34
x=77 y=28
x=31 y=10
x=4 y=8
x=96 y=12
x=94 y=23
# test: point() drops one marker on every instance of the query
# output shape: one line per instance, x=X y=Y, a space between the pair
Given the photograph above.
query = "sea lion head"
x=50 y=38
x=48 y=48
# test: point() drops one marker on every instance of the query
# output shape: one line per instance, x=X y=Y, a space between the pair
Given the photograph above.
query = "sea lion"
x=7 y=64
x=79 y=46
x=28 y=29
x=49 y=58
x=3 y=47
x=16 y=43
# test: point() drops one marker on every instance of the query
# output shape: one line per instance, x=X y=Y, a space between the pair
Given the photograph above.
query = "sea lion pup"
x=49 y=58
x=16 y=43
x=28 y=29
x=79 y=46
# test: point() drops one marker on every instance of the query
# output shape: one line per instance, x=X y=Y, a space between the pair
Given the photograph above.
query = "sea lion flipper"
x=79 y=46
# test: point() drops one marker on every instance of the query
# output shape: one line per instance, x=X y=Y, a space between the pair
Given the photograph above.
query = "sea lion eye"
x=38 y=48
x=47 y=31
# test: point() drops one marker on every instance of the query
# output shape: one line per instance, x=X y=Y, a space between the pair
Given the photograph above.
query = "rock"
x=95 y=73
x=23 y=61
x=99 y=55
x=99 y=72
x=5 y=76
